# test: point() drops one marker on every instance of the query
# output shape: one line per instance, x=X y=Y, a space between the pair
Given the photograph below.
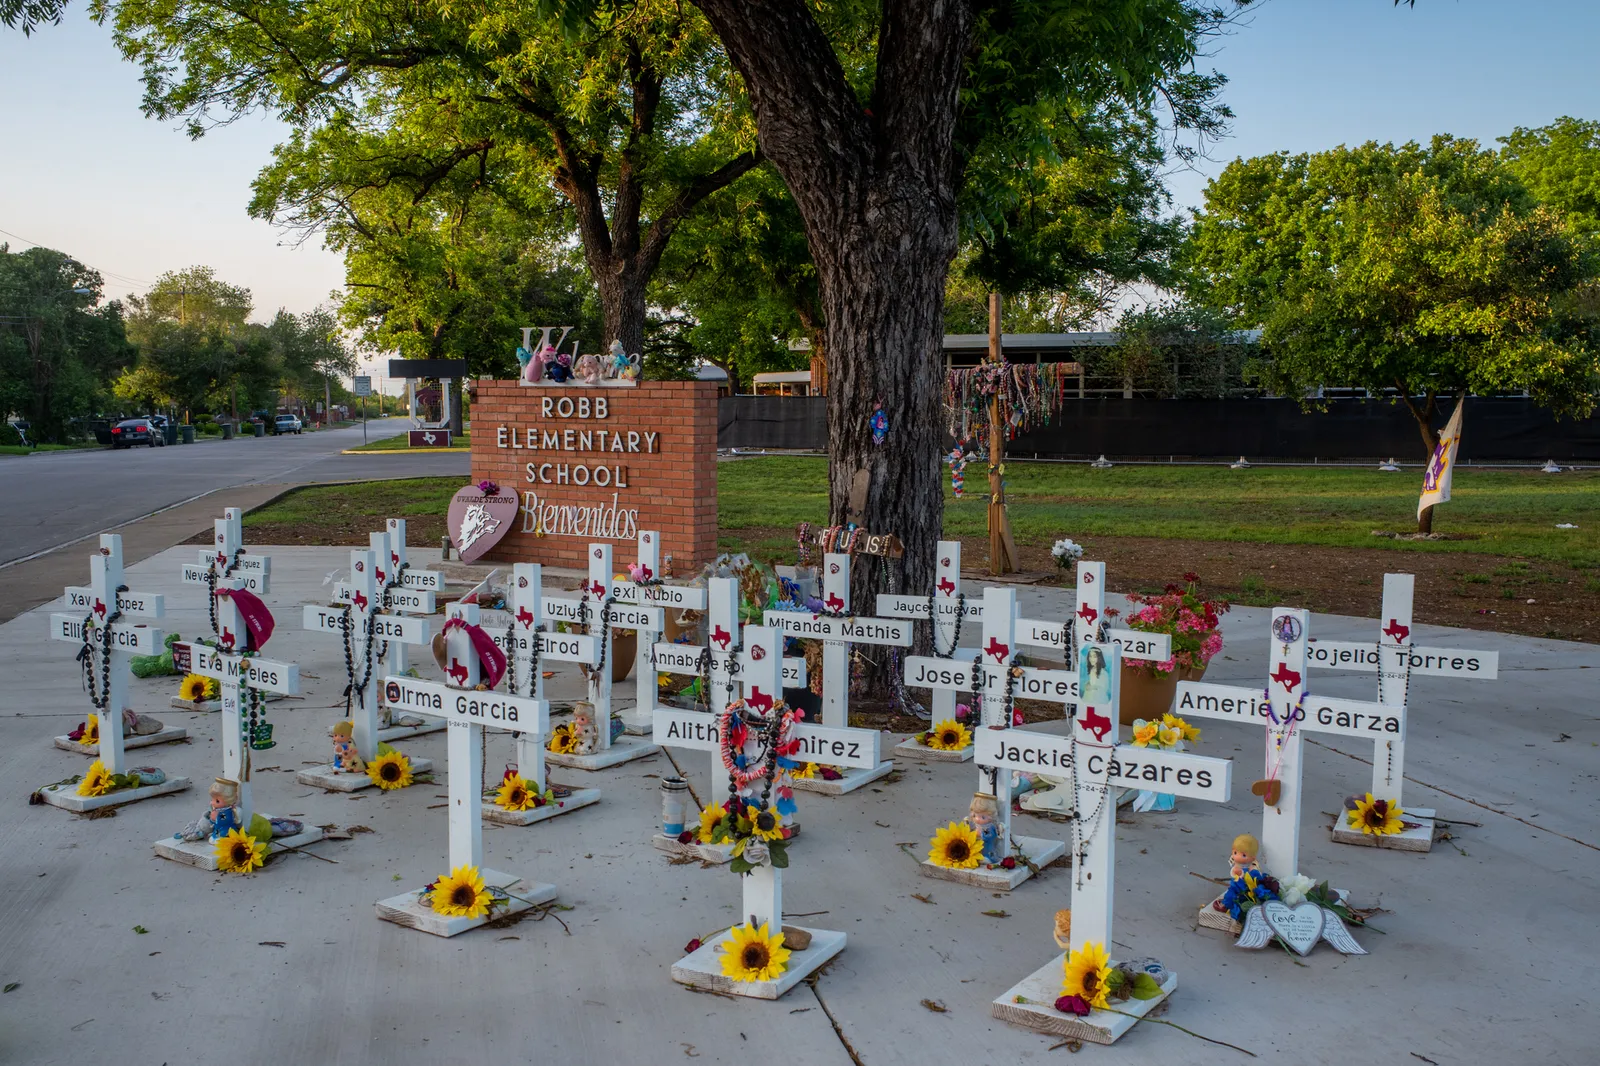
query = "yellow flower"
x=240 y=853
x=390 y=770
x=213 y=688
x=91 y=731
x=1169 y=737
x=1084 y=974
x=1376 y=817
x=948 y=735
x=754 y=954
x=563 y=740
x=1143 y=733
x=764 y=823
x=708 y=821
x=193 y=688
x=803 y=772
x=97 y=781
x=516 y=795
x=1189 y=732
x=956 y=847
x=461 y=894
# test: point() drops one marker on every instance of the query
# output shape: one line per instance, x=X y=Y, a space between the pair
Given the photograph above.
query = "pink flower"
x=1073 y=1005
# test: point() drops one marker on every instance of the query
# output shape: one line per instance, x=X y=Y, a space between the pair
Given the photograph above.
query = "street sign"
x=363 y=385
x=429 y=438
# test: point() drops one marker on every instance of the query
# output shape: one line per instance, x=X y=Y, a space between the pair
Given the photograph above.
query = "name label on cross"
x=678 y=596
x=122 y=637
x=837 y=747
x=385 y=626
x=1180 y=773
x=562 y=647
x=255 y=672
x=1134 y=644
x=496 y=710
x=618 y=615
x=1055 y=686
x=864 y=630
x=685 y=659
x=1433 y=662
x=917 y=607
x=248 y=564
x=150 y=605
x=200 y=574
x=403 y=599
x=427 y=580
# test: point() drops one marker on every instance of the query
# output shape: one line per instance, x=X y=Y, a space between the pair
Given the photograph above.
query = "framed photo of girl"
x=1099 y=676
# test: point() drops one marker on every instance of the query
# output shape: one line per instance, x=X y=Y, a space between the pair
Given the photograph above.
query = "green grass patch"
x=18 y=449
x=368 y=503
x=402 y=442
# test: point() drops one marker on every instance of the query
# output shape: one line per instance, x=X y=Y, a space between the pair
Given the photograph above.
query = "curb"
x=401 y=451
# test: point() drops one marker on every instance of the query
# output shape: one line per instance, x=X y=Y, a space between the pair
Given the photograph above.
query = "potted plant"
x=1194 y=625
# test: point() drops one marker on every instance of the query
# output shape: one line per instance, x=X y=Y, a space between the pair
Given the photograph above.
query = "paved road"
x=53 y=498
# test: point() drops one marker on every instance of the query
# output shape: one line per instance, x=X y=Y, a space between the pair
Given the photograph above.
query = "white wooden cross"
x=527 y=647
x=1396 y=660
x=1097 y=767
x=227 y=558
x=361 y=627
x=952 y=611
x=1288 y=712
x=725 y=662
x=1091 y=625
x=761 y=896
x=468 y=712
x=235 y=673
x=989 y=672
x=838 y=629
x=597 y=610
x=95 y=626
x=651 y=591
x=396 y=595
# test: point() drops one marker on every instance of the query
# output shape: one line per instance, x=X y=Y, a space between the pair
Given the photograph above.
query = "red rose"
x=1008 y=863
x=686 y=837
x=1073 y=1005
x=694 y=946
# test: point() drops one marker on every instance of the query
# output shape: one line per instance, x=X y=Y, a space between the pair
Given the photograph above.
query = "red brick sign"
x=429 y=438
x=600 y=464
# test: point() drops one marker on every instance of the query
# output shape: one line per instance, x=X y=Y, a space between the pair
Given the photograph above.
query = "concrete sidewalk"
x=1487 y=949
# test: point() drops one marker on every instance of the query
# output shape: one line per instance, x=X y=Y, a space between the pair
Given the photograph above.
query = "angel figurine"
x=983 y=815
x=346 y=757
x=220 y=818
x=584 y=729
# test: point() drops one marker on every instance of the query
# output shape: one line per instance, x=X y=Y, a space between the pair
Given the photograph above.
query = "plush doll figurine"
x=588 y=368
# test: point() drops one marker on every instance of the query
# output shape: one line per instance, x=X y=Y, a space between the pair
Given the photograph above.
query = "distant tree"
x=58 y=345
x=1560 y=165
x=196 y=345
x=1426 y=270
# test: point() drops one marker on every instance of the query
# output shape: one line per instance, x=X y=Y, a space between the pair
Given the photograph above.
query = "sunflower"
x=764 y=823
x=563 y=739
x=1085 y=973
x=461 y=894
x=1189 y=732
x=240 y=853
x=1374 y=817
x=390 y=770
x=956 y=847
x=948 y=735
x=193 y=688
x=97 y=781
x=1144 y=733
x=516 y=795
x=91 y=731
x=804 y=772
x=710 y=817
x=753 y=954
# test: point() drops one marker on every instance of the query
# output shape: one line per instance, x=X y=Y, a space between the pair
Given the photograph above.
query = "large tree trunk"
x=876 y=189
x=622 y=306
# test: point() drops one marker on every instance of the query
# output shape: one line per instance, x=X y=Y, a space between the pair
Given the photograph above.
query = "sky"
x=82 y=170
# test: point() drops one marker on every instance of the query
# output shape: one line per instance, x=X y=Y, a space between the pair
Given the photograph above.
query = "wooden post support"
x=1002 y=548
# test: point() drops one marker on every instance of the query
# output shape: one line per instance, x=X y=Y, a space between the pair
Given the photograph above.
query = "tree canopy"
x=1419 y=269
x=1560 y=165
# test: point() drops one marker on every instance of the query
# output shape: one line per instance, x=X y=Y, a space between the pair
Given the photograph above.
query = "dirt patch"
x=1468 y=590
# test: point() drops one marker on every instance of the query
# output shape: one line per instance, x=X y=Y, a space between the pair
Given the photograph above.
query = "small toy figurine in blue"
x=983 y=815
x=559 y=367
x=220 y=818
x=523 y=357
x=879 y=423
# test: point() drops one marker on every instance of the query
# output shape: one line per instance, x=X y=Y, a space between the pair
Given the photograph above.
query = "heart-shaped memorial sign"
x=1269 y=790
x=477 y=521
x=1300 y=927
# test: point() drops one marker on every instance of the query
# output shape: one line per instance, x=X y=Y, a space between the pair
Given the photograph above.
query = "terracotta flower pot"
x=624 y=646
x=1146 y=696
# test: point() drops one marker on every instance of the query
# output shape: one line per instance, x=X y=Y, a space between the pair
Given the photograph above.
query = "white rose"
x=1292 y=890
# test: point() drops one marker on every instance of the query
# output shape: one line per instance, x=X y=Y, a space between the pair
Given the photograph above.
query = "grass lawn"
x=17 y=449
x=1504 y=512
x=401 y=442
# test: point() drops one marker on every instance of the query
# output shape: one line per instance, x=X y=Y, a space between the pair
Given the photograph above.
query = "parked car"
x=131 y=431
x=286 y=424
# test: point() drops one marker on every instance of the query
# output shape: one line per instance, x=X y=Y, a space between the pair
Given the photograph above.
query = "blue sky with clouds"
x=82 y=170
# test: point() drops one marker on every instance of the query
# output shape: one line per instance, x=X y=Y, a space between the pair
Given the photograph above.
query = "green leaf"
x=141 y=930
x=1145 y=986
x=260 y=829
x=1116 y=979
x=780 y=858
x=740 y=866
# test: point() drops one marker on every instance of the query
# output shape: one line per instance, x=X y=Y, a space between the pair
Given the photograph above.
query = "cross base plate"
x=581 y=797
x=623 y=749
x=324 y=777
x=712 y=853
x=1039 y=991
x=854 y=778
x=1039 y=851
x=202 y=854
x=636 y=723
x=66 y=796
x=703 y=968
x=914 y=749
x=390 y=734
x=407 y=910
x=165 y=736
x=1418 y=839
